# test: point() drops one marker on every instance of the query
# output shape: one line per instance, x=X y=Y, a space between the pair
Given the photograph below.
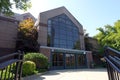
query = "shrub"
x=28 y=68
x=40 y=60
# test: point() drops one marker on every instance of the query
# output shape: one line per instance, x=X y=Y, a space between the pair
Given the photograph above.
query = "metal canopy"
x=63 y=50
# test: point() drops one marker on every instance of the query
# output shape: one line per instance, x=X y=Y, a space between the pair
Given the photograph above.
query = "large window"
x=63 y=33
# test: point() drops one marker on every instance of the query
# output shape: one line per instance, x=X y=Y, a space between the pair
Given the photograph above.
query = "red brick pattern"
x=89 y=58
x=46 y=52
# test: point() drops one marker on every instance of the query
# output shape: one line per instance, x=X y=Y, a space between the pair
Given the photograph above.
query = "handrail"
x=113 y=50
x=7 y=63
x=9 y=55
x=115 y=61
x=11 y=69
x=112 y=58
x=113 y=65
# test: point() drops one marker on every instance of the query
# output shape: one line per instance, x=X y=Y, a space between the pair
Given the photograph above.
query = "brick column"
x=46 y=52
x=89 y=58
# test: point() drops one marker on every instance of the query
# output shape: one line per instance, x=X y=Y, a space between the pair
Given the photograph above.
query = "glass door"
x=81 y=60
x=57 y=60
x=70 y=61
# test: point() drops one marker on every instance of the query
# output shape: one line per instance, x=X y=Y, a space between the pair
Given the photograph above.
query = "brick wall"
x=8 y=35
x=42 y=35
x=46 y=52
x=89 y=58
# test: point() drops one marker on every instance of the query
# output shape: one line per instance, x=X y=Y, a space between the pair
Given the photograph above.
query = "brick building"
x=19 y=17
x=8 y=35
x=9 y=30
x=61 y=39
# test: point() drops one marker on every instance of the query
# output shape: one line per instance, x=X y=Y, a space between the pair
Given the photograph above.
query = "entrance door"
x=81 y=60
x=57 y=61
x=70 y=61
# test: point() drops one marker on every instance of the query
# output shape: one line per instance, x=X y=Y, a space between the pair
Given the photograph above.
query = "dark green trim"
x=66 y=51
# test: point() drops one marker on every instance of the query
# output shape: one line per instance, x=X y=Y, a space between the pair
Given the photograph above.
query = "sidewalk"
x=73 y=74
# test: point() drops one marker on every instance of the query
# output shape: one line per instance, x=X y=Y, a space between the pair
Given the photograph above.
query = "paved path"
x=73 y=74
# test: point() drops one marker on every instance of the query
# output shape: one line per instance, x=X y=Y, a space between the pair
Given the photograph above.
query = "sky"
x=92 y=14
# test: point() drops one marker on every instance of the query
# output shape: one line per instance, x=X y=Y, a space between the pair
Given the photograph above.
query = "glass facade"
x=63 y=33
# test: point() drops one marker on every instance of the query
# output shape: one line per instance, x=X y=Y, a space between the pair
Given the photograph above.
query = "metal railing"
x=11 y=66
x=112 y=58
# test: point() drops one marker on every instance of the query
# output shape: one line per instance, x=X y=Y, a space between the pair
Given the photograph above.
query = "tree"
x=7 y=5
x=88 y=45
x=109 y=35
x=27 y=35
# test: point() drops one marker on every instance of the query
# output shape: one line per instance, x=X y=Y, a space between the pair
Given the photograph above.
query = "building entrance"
x=57 y=60
x=68 y=60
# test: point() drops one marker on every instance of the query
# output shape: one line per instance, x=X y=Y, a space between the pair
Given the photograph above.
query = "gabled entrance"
x=60 y=58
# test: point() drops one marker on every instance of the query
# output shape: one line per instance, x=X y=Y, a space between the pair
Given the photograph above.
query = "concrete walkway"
x=73 y=74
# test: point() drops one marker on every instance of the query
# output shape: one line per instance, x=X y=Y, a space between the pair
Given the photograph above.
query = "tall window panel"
x=63 y=33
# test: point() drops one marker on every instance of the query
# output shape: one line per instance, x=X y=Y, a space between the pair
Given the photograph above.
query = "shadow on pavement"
x=55 y=72
x=58 y=72
x=38 y=78
x=52 y=72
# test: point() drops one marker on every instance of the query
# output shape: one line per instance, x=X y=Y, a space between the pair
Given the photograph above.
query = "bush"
x=40 y=60
x=28 y=68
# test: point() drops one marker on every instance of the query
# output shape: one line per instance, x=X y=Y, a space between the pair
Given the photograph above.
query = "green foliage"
x=28 y=68
x=6 y=74
x=41 y=70
x=7 y=5
x=109 y=35
x=40 y=60
x=27 y=36
x=88 y=45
